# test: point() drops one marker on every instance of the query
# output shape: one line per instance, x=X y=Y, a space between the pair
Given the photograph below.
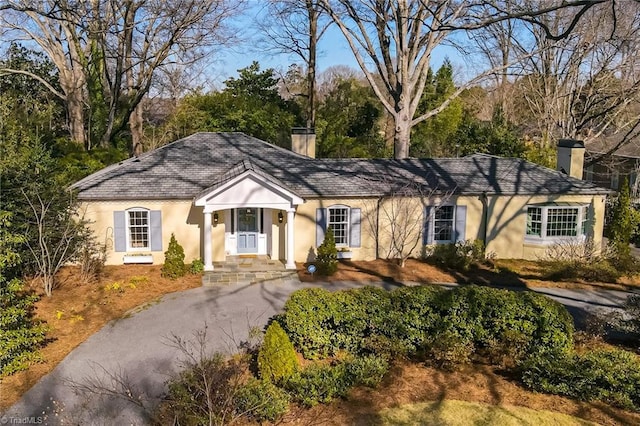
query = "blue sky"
x=333 y=50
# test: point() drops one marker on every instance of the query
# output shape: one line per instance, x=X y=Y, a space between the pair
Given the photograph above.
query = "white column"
x=208 y=259
x=290 y=241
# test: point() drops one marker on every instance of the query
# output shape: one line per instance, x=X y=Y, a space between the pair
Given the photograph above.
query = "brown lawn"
x=507 y=273
x=77 y=310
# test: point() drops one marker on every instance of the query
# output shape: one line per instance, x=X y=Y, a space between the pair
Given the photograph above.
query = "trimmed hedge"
x=496 y=322
x=411 y=319
x=611 y=376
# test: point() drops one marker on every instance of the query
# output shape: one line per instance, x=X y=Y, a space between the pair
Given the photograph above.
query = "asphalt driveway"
x=135 y=351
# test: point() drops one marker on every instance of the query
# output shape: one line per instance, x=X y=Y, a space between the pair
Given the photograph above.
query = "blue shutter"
x=354 y=228
x=427 y=233
x=119 y=231
x=461 y=223
x=321 y=225
x=155 y=218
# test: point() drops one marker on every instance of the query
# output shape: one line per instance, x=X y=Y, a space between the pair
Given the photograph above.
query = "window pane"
x=585 y=220
x=534 y=221
x=562 y=222
x=139 y=229
x=339 y=223
x=443 y=224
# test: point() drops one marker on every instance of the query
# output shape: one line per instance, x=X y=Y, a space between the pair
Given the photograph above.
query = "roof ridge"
x=270 y=145
x=126 y=161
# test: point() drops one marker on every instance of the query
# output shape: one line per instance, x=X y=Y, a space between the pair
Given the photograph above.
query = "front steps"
x=248 y=270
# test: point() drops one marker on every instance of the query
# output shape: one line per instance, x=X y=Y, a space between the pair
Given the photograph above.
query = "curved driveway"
x=135 y=350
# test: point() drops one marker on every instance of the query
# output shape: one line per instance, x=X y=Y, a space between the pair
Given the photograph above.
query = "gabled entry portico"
x=247 y=198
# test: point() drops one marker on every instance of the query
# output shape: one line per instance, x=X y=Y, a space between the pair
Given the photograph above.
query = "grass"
x=453 y=413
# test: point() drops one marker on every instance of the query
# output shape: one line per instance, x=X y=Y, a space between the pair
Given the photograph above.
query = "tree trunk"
x=135 y=125
x=311 y=65
x=75 y=117
x=402 y=137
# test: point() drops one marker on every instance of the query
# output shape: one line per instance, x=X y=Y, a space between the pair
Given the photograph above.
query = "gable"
x=248 y=189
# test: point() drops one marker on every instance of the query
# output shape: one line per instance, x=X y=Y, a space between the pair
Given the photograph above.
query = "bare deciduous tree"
x=393 y=41
x=396 y=221
x=108 y=52
x=587 y=85
x=295 y=27
x=58 y=235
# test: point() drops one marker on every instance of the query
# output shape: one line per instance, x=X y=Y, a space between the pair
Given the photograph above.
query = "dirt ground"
x=76 y=310
x=410 y=383
x=501 y=273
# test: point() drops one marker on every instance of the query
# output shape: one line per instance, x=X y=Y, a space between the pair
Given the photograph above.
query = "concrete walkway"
x=137 y=350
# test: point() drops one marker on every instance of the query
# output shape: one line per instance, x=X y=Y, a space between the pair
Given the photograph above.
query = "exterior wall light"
x=215 y=218
x=280 y=217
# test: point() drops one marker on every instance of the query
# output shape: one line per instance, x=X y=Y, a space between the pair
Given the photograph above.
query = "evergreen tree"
x=624 y=221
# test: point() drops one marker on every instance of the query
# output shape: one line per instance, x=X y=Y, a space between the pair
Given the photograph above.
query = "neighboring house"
x=613 y=165
x=225 y=194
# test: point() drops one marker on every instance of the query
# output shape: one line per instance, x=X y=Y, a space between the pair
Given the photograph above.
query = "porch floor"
x=248 y=269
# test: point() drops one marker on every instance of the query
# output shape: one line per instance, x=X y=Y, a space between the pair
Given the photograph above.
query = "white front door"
x=248 y=230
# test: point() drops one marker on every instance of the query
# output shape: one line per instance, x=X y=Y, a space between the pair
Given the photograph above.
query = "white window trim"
x=543 y=239
x=348 y=223
x=453 y=225
x=128 y=230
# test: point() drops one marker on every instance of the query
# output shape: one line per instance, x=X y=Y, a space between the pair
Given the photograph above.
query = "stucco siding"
x=179 y=217
x=505 y=230
x=507 y=218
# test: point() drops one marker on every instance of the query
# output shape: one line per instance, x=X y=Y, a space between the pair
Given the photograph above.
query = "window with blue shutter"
x=119 y=231
x=461 y=223
x=345 y=223
x=444 y=224
x=354 y=228
x=321 y=225
x=137 y=229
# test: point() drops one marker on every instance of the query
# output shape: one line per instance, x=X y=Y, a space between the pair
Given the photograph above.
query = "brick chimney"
x=570 y=157
x=303 y=141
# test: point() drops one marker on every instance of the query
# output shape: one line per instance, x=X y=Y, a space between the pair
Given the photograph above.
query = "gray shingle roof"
x=186 y=167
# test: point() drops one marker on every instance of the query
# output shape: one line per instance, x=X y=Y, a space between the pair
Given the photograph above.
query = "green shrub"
x=307 y=319
x=173 y=260
x=413 y=316
x=319 y=384
x=20 y=334
x=611 y=376
x=596 y=270
x=321 y=323
x=489 y=318
x=368 y=370
x=277 y=360
x=197 y=266
x=327 y=256
x=459 y=256
x=448 y=350
x=205 y=391
x=449 y=325
x=261 y=401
